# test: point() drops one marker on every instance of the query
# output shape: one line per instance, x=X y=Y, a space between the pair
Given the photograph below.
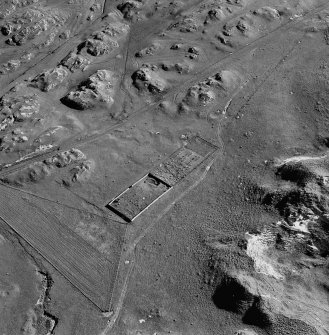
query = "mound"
x=17 y=108
x=98 y=88
x=148 y=51
x=207 y=91
x=50 y=79
x=10 y=66
x=105 y=40
x=245 y=25
x=9 y=7
x=75 y=62
x=188 y=24
x=115 y=28
x=199 y=94
x=10 y=140
x=148 y=79
x=15 y=63
x=226 y=80
x=97 y=47
x=40 y=170
x=129 y=9
x=31 y=23
x=215 y=14
x=268 y=13
x=82 y=171
x=181 y=68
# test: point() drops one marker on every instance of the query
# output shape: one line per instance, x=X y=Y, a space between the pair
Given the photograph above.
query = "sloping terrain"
x=164 y=167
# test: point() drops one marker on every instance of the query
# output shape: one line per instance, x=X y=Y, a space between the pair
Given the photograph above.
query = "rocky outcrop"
x=285 y=290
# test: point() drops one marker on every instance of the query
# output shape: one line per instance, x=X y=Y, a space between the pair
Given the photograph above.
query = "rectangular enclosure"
x=200 y=146
x=177 y=166
x=183 y=161
x=138 y=197
x=135 y=199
